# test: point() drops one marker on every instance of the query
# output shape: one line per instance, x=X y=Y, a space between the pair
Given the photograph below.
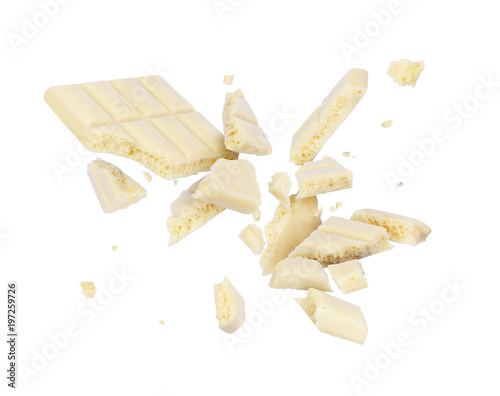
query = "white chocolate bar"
x=189 y=214
x=287 y=229
x=348 y=276
x=279 y=186
x=319 y=177
x=229 y=307
x=299 y=273
x=242 y=132
x=114 y=189
x=88 y=289
x=334 y=316
x=143 y=119
x=325 y=120
x=338 y=240
x=252 y=237
x=232 y=185
x=405 y=72
x=401 y=229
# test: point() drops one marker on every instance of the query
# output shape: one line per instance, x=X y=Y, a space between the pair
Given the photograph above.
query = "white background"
x=286 y=56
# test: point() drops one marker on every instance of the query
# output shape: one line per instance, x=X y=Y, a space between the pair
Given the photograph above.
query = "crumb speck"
x=147 y=176
x=337 y=205
x=88 y=289
x=256 y=215
x=387 y=124
x=228 y=79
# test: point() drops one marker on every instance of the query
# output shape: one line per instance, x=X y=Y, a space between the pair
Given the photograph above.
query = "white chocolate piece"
x=348 y=276
x=337 y=206
x=279 y=186
x=232 y=185
x=229 y=307
x=242 y=132
x=325 y=120
x=252 y=237
x=401 y=229
x=228 y=79
x=319 y=212
x=114 y=189
x=143 y=119
x=256 y=215
x=387 y=124
x=319 y=177
x=405 y=72
x=115 y=248
x=287 y=229
x=299 y=273
x=189 y=214
x=88 y=289
x=338 y=240
x=147 y=176
x=176 y=181
x=334 y=316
